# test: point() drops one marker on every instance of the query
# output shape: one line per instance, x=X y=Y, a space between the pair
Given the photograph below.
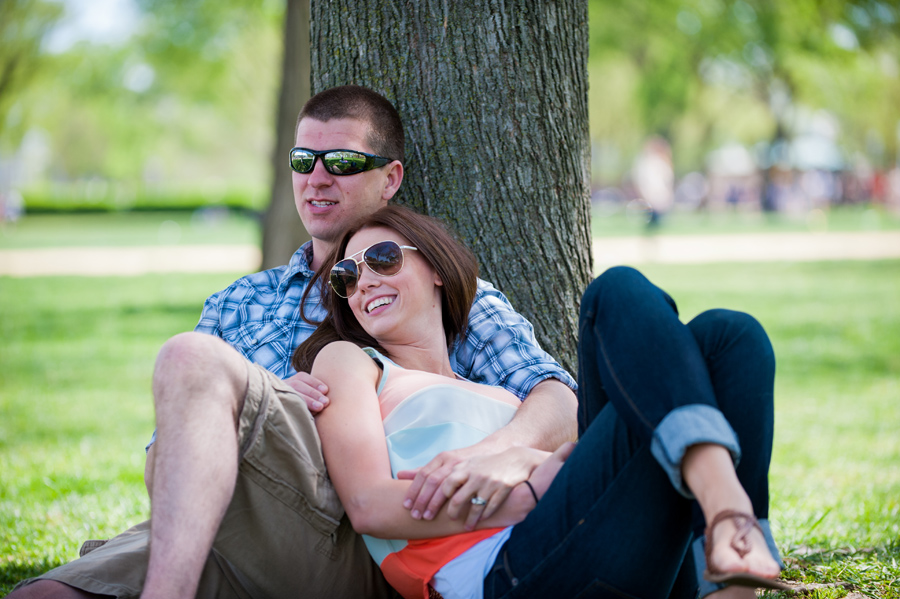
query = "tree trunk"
x=283 y=231
x=493 y=95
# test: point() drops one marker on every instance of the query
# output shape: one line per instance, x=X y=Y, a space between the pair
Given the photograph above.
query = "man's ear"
x=393 y=179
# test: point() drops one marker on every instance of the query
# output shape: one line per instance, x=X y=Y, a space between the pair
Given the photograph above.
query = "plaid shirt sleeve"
x=259 y=316
x=209 y=317
x=499 y=347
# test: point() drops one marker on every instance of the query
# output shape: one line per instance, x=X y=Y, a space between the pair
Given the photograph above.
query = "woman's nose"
x=367 y=278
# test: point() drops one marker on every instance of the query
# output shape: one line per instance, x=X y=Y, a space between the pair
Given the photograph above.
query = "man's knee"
x=201 y=360
x=47 y=589
x=186 y=350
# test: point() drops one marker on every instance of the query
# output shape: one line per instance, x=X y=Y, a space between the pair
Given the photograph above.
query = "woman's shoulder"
x=343 y=361
x=343 y=350
x=342 y=356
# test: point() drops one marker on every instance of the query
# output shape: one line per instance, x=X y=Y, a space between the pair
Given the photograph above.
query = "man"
x=241 y=505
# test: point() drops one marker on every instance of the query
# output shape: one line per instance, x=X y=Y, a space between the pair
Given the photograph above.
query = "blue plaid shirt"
x=259 y=315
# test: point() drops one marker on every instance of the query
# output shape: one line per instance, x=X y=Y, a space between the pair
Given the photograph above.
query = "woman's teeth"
x=381 y=301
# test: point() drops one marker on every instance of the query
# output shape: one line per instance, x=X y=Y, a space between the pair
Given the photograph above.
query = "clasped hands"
x=456 y=477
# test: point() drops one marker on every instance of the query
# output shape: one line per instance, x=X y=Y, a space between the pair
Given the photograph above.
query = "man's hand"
x=458 y=477
x=546 y=419
x=312 y=390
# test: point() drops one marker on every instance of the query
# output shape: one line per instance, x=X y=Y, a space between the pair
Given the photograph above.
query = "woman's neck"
x=428 y=358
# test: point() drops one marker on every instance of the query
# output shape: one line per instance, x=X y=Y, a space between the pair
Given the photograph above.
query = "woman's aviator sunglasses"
x=337 y=162
x=384 y=258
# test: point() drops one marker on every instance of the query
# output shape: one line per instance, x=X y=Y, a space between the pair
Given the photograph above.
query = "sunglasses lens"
x=302 y=161
x=344 y=276
x=384 y=258
x=344 y=163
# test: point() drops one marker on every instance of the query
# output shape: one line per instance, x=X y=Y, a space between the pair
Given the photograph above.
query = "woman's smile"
x=378 y=302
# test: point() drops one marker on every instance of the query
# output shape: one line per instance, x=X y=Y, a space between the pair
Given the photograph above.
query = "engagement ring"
x=479 y=500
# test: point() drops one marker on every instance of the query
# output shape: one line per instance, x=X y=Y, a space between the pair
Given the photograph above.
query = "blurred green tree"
x=23 y=25
x=701 y=72
x=283 y=231
x=184 y=105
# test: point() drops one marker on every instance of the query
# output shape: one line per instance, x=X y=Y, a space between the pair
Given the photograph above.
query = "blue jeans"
x=618 y=520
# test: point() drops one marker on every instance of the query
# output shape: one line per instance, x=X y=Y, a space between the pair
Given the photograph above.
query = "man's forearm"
x=547 y=418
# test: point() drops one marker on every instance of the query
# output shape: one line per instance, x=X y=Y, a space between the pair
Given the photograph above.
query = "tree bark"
x=283 y=232
x=493 y=96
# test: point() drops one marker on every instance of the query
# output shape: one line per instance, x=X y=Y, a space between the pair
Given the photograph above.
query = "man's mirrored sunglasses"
x=337 y=162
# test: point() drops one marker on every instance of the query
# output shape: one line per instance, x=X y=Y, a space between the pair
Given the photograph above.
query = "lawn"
x=77 y=353
x=208 y=225
x=835 y=471
x=614 y=220
x=220 y=225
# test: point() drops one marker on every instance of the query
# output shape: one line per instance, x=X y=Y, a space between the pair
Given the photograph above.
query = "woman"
x=600 y=518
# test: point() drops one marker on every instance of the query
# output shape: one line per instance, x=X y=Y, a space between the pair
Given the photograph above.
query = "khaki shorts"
x=284 y=534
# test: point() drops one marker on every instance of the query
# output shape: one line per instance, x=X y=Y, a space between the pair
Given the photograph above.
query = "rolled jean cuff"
x=686 y=426
x=699 y=549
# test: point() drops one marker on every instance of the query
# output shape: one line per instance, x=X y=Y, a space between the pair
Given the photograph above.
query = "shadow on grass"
x=11 y=573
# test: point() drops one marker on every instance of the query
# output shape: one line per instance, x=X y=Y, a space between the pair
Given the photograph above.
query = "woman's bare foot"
x=737 y=545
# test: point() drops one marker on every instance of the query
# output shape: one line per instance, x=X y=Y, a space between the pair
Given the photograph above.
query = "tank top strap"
x=384 y=362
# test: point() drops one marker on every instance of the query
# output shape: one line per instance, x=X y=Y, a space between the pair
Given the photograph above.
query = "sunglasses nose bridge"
x=318 y=170
x=366 y=277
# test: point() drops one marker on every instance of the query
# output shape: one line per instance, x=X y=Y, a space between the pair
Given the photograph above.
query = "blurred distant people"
x=692 y=191
x=11 y=206
x=892 y=197
x=654 y=178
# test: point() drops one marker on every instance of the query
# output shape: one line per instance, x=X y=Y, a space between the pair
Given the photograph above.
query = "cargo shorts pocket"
x=281 y=452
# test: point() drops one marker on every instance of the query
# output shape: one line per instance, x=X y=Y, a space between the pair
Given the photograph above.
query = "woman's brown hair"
x=453 y=262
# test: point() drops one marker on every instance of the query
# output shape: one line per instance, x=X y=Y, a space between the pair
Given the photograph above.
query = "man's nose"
x=319 y=176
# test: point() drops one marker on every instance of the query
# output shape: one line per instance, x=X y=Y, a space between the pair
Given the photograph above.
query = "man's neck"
x=320 y=250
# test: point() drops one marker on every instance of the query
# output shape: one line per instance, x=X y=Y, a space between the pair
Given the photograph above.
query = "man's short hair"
x=357 y=102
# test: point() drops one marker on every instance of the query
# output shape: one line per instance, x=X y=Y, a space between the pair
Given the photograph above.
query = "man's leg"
x=199 y=384
x=198 y=389
x=284 y=528
x=51 y=589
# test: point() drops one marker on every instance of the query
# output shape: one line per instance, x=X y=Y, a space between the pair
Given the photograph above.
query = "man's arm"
x=499 y=348
x=546 y=420
x=353 y=444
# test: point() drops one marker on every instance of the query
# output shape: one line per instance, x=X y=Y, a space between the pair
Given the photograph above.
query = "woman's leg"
x=741 y=365
x=666 y=381
x=634 y=352
x=611 y=524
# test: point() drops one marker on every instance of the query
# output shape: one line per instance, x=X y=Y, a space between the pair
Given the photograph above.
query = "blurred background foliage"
x=172 y=106
x=173 y=103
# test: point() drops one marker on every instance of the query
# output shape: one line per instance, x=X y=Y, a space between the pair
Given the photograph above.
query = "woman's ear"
x=437 y=279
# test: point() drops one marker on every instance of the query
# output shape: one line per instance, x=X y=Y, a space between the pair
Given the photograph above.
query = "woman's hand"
x=453 y=476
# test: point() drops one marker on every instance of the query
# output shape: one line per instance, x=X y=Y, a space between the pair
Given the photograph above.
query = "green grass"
x=609 y=221
x=76 y=357
x=835 y=477
x=215 y=225
x=75 y=408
